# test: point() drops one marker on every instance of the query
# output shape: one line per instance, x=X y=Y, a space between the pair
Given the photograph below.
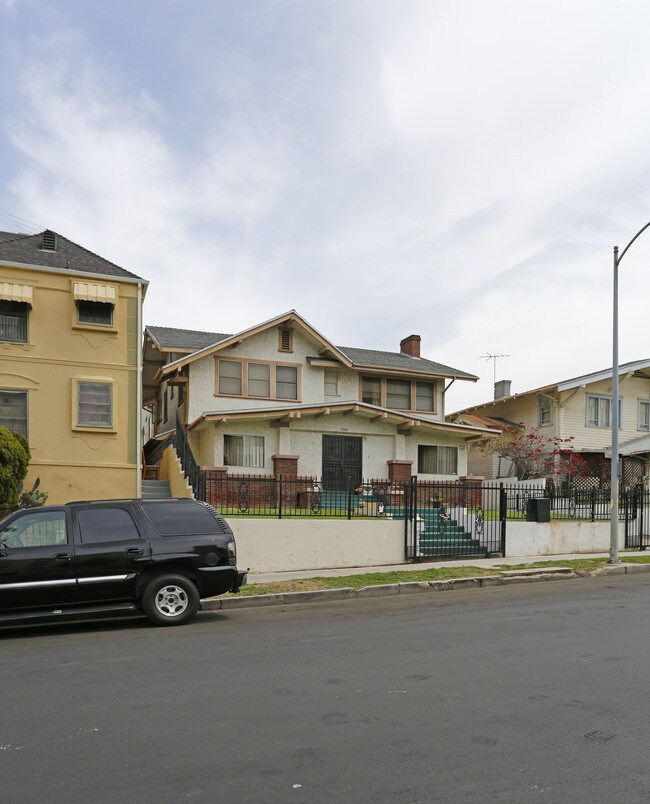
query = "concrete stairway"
x=155 y=489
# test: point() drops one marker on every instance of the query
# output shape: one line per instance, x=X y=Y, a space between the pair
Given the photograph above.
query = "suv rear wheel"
x=170 y=600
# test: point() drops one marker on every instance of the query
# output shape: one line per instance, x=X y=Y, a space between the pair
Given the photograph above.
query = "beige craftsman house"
x=279 y=398
x=70 y=359
x=578 y=408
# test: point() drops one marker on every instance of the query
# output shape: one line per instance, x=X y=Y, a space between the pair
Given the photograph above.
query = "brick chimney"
x=411 y=345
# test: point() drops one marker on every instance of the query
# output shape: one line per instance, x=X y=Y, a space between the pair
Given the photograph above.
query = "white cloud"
x=460 y=171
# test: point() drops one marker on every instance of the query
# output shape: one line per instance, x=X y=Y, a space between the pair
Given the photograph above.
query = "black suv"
x=115 y=556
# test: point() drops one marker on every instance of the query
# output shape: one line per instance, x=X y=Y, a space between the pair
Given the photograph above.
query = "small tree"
x=536 y=455
x=14 y=460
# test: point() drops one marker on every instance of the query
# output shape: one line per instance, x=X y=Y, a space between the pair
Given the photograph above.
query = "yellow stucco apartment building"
x=70 y=365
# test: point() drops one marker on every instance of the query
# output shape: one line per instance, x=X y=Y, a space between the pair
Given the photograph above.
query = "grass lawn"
x=403 y=576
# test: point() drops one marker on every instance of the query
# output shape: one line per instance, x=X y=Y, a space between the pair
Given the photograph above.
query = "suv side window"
x=181 y=519
x=107 y=525
x=40 y=529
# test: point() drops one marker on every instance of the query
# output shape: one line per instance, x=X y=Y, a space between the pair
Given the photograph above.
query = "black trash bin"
x=538 y=509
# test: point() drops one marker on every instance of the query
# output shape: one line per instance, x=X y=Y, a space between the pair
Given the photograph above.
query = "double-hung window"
x=643 y=417
x=286 y=382
x=544 y=410
x=230 y=378
x=259 y=379
x=388 y=392
x=13 y=411
x=250 y=379
x=398 y=394
x=599 y=410
x=371 y=391
x=331 y=380
x=424 y=397
x=243 y=450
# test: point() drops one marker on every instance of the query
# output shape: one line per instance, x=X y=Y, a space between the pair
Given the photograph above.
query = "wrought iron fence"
x=636 y=513
x=453 y=520
x=282 y=497
x=568 y=503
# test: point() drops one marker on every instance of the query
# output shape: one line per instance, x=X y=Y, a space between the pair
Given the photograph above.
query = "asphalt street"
x=508 y=694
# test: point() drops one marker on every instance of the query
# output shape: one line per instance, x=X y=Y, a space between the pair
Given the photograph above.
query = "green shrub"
x=14 y=460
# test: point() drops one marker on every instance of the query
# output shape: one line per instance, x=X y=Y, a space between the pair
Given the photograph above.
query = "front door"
x=342 y=462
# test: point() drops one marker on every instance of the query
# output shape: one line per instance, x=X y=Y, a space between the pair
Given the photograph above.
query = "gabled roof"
x=495 y=422
x=371 y=358
x=27 y=250
x=639 y=367
x=169 y=339
x=200 y=344
x=230 y=340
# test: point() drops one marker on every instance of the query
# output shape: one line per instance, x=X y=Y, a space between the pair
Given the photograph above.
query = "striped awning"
x=10 y=291
x=84 y=291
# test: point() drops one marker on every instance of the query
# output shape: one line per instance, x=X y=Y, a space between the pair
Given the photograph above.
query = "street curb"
x=506 y=578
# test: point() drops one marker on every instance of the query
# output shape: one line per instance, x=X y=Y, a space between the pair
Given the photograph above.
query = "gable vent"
x=285 y=341
x=49 y=241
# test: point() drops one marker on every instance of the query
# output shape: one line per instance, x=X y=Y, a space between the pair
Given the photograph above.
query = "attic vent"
x=285 y=340
x=49 y=241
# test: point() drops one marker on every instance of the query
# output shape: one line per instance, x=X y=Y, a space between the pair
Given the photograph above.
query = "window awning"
x=10 y=291
x=84 y=291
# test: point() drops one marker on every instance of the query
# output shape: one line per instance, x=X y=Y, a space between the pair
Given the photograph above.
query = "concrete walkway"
x=271 y=577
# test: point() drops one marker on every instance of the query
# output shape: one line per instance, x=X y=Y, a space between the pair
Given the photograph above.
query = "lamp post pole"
x=613 y=539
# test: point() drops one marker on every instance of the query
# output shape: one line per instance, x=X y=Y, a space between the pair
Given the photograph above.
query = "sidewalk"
x=291 y=575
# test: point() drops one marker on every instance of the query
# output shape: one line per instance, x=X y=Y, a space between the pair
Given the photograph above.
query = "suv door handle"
x=133 y=551
x=63 y=557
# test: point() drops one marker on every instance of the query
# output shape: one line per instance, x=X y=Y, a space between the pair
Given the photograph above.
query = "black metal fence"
x=636 y=514
x=283 y=497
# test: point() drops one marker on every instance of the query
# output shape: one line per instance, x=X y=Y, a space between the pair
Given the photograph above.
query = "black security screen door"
x=341 y=462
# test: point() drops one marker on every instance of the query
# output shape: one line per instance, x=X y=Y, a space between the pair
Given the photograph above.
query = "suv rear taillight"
x=232 y=554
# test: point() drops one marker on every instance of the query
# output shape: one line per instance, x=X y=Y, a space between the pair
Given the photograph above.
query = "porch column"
x=285 y=465
x=399 y=447
x=284 y=440
x=400 y=471
x=472 y=486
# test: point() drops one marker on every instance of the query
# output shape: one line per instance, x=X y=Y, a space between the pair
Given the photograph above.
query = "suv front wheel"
x=170 y=600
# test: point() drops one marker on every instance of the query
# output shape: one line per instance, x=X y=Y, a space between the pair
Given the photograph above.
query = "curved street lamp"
x=613 y=539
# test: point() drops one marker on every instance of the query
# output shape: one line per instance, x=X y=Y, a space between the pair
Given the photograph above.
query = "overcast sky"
x=460 y=170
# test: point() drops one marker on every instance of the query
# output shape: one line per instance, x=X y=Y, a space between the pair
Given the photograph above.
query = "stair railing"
x=186 y=456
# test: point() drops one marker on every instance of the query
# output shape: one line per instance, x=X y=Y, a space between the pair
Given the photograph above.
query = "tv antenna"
x=489 y=357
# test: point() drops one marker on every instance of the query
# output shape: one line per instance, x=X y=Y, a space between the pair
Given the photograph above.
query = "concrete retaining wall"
x=558 y=538
x=282 y=545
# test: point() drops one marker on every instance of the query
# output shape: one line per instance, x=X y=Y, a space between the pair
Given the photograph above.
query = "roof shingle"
x=27 y=250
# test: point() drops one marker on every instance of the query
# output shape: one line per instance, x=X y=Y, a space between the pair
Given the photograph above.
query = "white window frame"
x=596 y=422
x=540 y=419
x=639 y=421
